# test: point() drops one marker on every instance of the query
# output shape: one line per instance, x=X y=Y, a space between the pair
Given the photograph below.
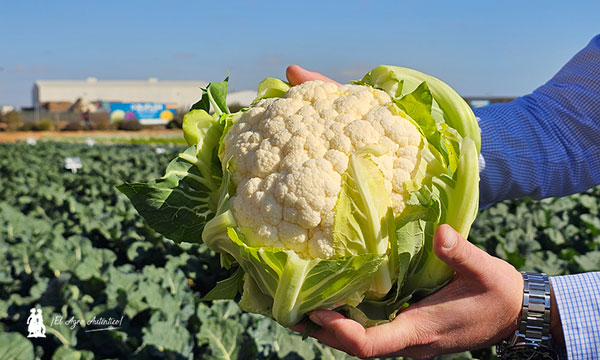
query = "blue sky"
x=478 y=47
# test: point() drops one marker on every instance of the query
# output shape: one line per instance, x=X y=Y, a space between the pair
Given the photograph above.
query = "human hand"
x=480 y=307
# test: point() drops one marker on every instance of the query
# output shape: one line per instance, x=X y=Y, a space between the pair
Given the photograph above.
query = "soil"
x=6 y=136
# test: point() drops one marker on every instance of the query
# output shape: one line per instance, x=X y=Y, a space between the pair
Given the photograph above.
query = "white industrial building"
x=182 y=93
x=243 y=98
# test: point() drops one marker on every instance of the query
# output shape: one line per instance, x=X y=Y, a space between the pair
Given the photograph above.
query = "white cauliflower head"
x=289 y=154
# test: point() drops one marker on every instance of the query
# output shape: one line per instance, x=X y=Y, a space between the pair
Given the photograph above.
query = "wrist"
x=518 y=304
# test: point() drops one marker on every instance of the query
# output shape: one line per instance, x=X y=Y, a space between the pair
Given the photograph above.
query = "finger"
x=323 y=335
x=297 y=75
x=462 y=256
x=352 y=337
x=340 y=332
x=299 y=328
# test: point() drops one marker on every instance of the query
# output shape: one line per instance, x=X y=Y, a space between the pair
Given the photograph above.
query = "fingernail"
x=314 y=318
x=449 y=240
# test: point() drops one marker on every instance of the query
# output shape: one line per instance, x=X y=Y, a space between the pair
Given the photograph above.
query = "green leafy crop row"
x=74 y=247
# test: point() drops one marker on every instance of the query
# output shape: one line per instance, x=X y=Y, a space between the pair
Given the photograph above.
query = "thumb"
x=462 y=256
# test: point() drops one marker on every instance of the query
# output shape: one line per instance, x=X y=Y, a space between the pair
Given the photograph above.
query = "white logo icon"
x=35 y=324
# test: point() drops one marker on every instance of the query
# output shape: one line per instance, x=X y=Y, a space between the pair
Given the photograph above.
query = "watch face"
x=521 y=352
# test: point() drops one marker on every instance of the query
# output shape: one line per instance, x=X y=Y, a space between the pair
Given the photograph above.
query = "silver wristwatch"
x=533 y=339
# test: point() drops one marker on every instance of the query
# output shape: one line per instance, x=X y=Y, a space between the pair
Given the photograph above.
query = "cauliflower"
x=323 y=196
x=290 y=153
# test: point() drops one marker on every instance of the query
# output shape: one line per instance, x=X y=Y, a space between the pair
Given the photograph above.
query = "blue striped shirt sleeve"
x=578 y=301
x=546 y=143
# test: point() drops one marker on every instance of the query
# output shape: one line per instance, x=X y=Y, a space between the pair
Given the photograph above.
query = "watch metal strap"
x=535 y=316
x=532 y=340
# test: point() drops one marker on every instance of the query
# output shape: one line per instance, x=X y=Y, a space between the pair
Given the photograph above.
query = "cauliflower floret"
x=338 y=159
x=296 y=236
x=361 y=133
x=290 y=153
x=320 y=244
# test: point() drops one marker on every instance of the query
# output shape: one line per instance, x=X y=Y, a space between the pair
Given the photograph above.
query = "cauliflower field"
x=73 y=246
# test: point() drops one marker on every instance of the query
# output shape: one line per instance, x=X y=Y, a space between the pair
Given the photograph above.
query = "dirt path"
x=22 y=135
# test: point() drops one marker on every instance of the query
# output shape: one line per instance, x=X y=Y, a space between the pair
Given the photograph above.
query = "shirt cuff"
x=578 y=301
